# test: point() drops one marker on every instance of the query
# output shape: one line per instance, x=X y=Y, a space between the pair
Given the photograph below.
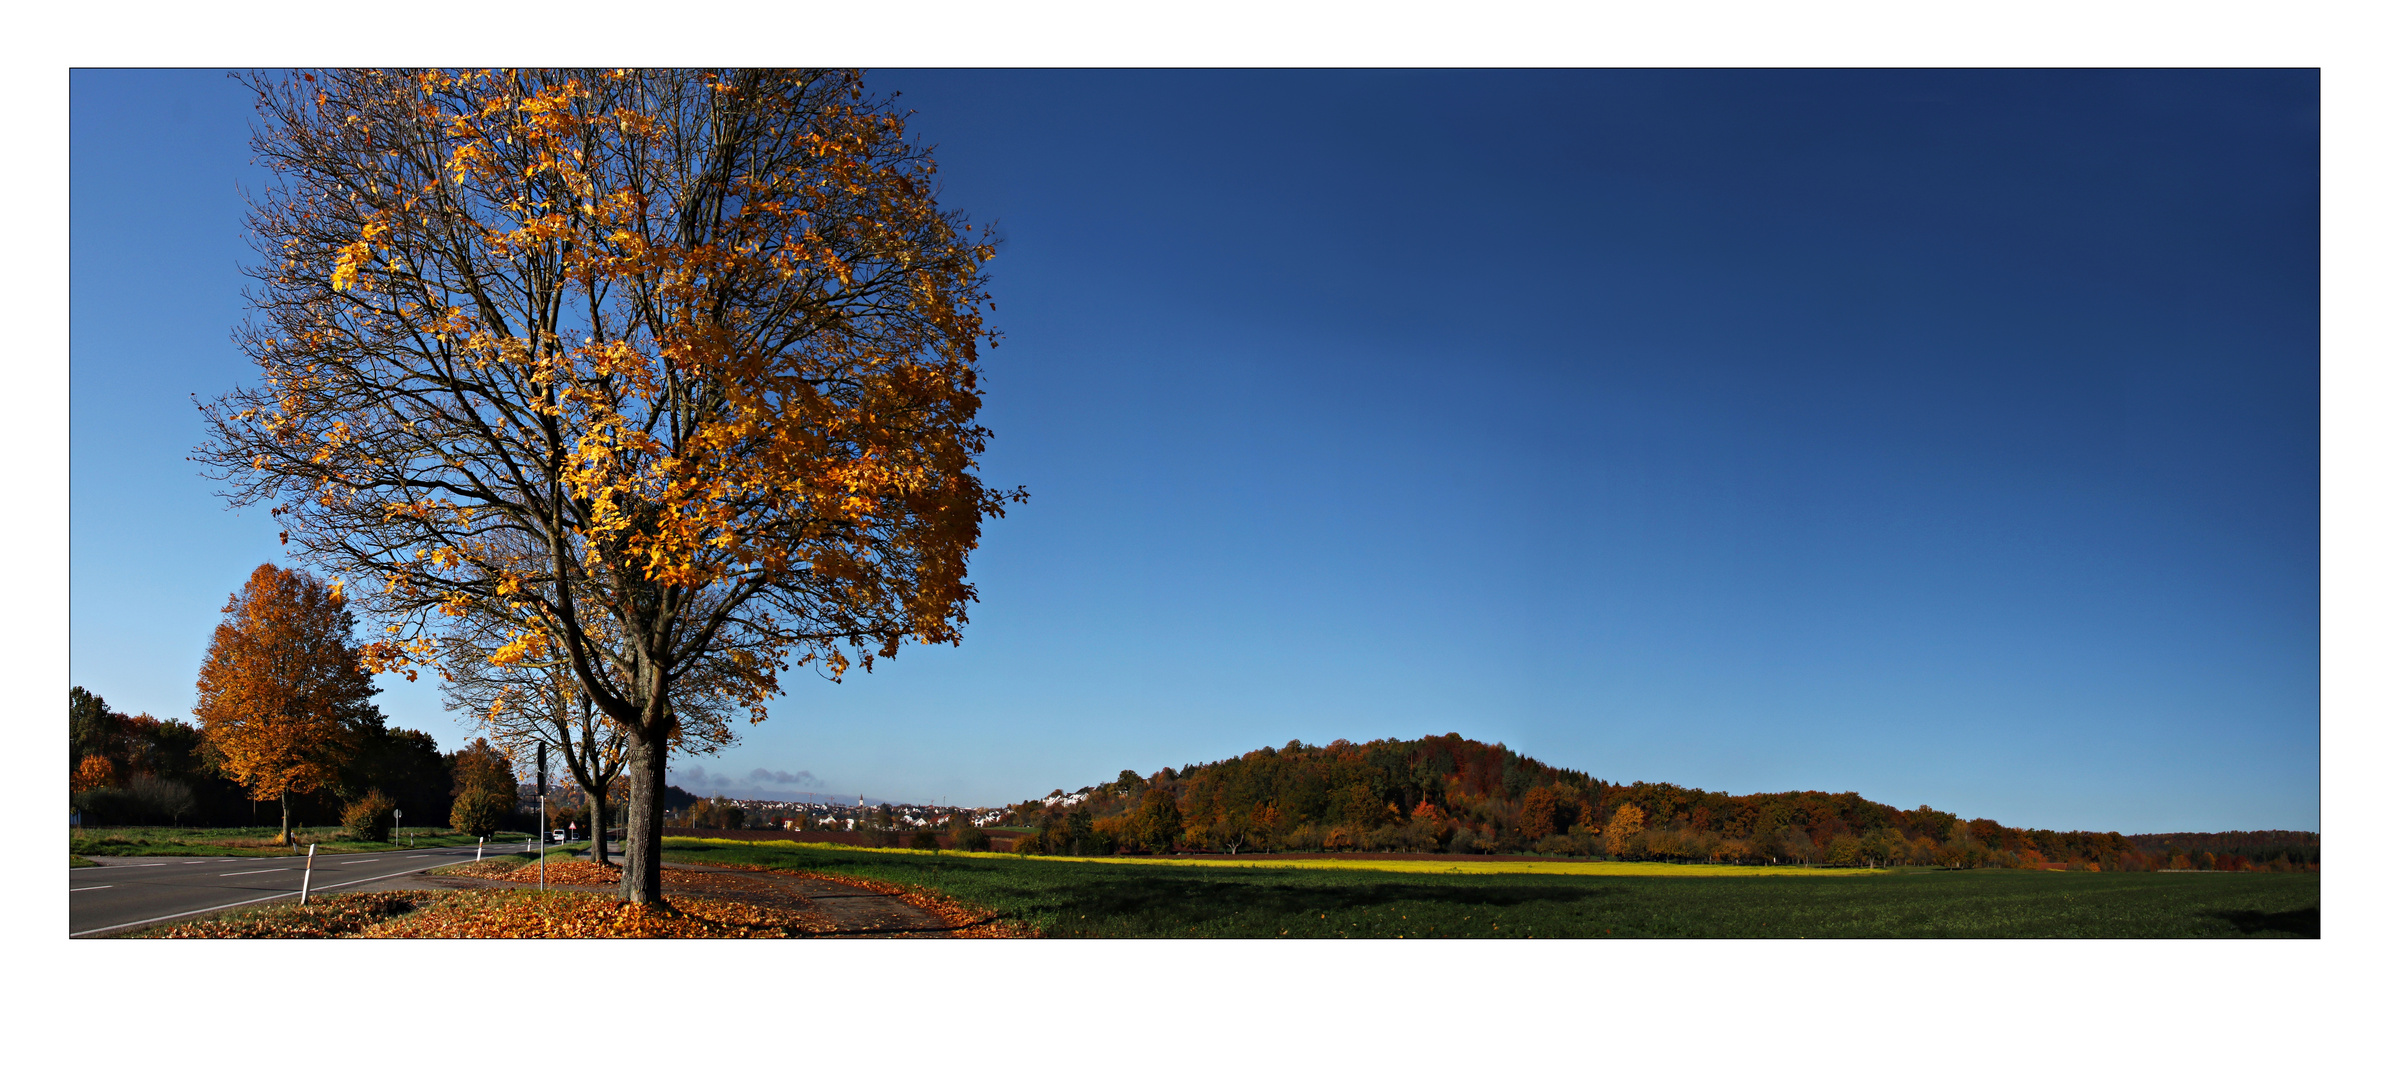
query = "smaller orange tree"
x=283 y=692
x=93 y=772
x=1623 y=826
x=485 y=789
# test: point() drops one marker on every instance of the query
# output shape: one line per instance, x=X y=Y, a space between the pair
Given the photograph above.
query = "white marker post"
x=309 y=878
x=398 y=821
x=542 y=817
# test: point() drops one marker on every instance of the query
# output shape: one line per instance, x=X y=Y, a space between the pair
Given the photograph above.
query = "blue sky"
x=1949 y=437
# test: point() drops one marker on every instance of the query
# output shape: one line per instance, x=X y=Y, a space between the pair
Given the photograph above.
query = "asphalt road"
x=125 y=892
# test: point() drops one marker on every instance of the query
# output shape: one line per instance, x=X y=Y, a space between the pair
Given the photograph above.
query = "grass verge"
x=1162 y=898
x=144 y=841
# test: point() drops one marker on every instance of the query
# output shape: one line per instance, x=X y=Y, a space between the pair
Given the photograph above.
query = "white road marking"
x=234 y=904
x=149 y=864
x=267 y=870
x=418 y=856
x=354 y=862
x=88 y=888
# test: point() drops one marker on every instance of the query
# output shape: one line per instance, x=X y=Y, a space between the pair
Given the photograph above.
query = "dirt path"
x=857 y=912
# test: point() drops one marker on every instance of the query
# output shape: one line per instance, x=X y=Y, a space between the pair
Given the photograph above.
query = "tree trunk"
x=596 y=803
x=286 y=837
x=642 y=847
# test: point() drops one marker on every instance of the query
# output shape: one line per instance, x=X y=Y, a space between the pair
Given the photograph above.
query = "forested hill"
x=1449 y=793
x=2258 y=846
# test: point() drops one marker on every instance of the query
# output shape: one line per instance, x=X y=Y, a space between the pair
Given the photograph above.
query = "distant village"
x=820 y=813
x=848 y=817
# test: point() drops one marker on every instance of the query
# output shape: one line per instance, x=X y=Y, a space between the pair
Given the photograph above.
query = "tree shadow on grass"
x=2303 y=922
x=1164 y=899
x=1186 y=902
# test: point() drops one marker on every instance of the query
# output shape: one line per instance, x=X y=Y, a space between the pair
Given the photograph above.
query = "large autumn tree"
x=283 y=693
x=670 y=375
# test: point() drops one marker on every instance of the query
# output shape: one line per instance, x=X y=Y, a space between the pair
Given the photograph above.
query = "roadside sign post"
x=308 y=879
x=399 y=818
x=542 y=817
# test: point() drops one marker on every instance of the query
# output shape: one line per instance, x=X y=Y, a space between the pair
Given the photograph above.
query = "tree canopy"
x=667 y=376
x=283 y=694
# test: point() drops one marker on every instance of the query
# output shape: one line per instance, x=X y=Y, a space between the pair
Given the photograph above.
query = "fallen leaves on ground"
x=326 y=915
x=561 y=872
x=507 y=913
x=517 y=914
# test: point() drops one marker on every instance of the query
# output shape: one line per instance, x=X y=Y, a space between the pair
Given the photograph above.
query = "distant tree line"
x=1452 y=794
x=140 y=770
x=2276 y=849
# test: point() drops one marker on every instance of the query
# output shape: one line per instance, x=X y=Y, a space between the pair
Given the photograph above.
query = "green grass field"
x=257 y=841
x=1155 y=898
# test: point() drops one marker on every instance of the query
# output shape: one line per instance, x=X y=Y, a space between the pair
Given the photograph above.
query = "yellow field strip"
x=1398 y=866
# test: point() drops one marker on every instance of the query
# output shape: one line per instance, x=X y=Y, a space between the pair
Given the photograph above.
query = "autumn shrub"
x=924 y=840
x=1463 y=841
x=478 y=812
x=1118 y=834
x=1427 y=831
x=1555 y=844
x=368 y=816
x=969 y=837
x=163 y=800
x=1735 y=851
x=1676 y=844
x=1792 y=845
x=106 y=806
x=145 y=799
x=1031 y=844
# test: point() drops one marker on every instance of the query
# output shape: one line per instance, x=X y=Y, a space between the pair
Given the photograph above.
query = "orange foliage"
x=1623 y=826
x=814 y=351
x=667 y=377
x=1541 y=813
x=516 y=914
x=499 y=914
x=93 y=772
x=281 y=692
